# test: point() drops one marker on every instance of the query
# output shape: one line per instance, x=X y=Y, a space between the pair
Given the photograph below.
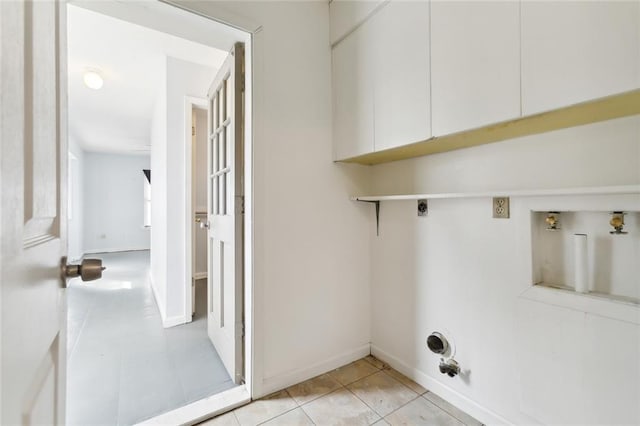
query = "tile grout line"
x=326 y=394
x=82 y=327
x=307 y=414
x=443 y=410
x=341 y=386
x=373 y=409
x=402 y=406
x=404 y=384
x=384 y=364
x=367 y=405
x=120 y=373
x=172 y=361
x=281 y=414
x=234 y=416
x=447 y=411
x=385 y=369
x=363 y=377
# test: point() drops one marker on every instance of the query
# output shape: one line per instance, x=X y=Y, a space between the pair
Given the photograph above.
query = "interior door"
x=32 y=206
x=225 y=209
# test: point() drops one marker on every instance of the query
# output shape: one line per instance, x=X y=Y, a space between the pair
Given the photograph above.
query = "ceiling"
x=131 y=59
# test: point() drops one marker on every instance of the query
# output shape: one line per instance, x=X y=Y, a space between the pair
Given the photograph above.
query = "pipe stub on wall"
x=437 y=343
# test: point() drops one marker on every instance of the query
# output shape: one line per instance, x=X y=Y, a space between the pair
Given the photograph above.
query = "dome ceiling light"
x=93 y=79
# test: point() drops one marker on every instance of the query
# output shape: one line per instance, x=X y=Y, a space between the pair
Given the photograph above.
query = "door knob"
x=88 y=270
x=203 y=225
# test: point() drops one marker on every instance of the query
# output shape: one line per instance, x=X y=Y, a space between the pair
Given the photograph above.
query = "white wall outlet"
x=501 y=207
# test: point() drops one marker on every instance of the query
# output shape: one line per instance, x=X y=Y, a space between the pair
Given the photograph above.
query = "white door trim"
x=252 y=36
x=203 y=409
x=254 y=54
x=190 y=102
x=254 y=95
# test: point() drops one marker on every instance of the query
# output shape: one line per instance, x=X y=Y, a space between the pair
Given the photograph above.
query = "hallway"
x=123 y=366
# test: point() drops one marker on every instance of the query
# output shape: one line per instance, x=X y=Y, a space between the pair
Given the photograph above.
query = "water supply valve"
x=449 y=367
x=438 y=344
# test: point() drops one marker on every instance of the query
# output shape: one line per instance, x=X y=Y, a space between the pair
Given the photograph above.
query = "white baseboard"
x=443 y=391
x=173 y=321
x=281 y=381
x=166 y=321
x=199 y=275
x=115 y=250
x=78 y=258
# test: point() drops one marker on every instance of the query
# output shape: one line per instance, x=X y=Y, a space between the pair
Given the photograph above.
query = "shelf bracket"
x=377 y=203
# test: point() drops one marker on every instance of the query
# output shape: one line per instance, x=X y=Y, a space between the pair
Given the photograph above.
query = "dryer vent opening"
x=437 y=343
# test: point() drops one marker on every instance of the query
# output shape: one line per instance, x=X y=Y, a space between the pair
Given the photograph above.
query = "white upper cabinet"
x=475 y=64
x=352 y=73
x=576 y=51
x=345 y=15
x=400 y=40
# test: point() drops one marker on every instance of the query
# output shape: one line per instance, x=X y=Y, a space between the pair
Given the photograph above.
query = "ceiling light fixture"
x=93 y=80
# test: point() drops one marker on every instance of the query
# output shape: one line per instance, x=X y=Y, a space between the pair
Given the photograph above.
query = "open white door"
x=33 y=208
x=225 y=209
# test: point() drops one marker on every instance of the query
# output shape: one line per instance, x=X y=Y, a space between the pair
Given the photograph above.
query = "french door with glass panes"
x=225 y=210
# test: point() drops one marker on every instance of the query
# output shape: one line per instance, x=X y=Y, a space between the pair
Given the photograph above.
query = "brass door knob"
x=88 y=270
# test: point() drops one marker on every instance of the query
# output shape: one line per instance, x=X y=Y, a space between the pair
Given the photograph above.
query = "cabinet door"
x=352 y=95
x=402 y=109
x=576 y=51
x=344 y=15
x=475 y=64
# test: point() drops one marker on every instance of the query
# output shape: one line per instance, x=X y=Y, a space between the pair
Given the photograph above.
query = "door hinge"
x=240 y=329
x=193 y=130
x=240 y=204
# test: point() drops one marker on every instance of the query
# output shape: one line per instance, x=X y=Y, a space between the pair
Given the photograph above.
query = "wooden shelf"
x=595 y=190
x=607 y=108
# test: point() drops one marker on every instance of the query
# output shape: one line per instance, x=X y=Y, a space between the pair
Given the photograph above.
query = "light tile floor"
x=123 y=366
x=364 y=392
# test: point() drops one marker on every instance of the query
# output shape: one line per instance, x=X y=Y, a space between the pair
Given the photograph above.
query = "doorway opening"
x=197 y=253
x=163 y=332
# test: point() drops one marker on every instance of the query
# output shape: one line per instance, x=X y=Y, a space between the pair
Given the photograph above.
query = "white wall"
x=114 y=202
x=464 y=273
x=159 y=196
x=183 y=79
x=168 y=185
x=311 y=244
x=75 y=249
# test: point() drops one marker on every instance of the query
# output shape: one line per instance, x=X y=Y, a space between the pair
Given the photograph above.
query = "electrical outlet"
x=501 y=207
x=422 y=208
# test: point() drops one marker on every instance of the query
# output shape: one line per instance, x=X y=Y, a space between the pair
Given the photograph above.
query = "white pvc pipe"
x=581 y=263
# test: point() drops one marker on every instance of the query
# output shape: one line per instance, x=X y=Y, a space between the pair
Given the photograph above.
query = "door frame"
x=190 y=102
x=252 y=37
